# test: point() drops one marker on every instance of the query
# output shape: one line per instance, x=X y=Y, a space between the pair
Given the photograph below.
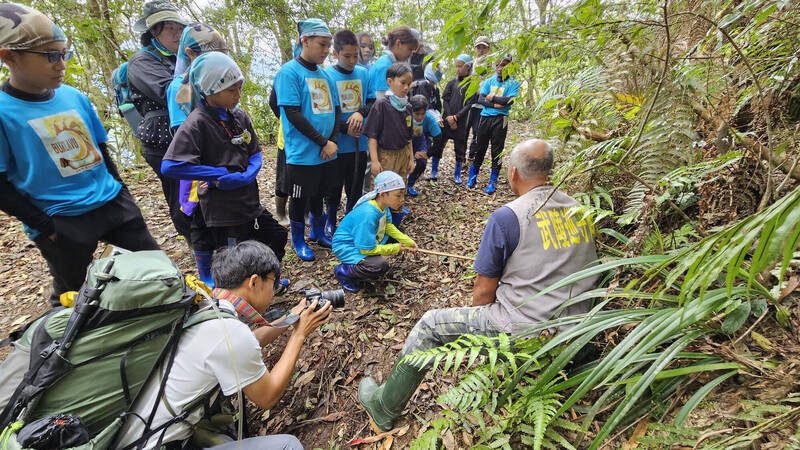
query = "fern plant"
x=518 y=387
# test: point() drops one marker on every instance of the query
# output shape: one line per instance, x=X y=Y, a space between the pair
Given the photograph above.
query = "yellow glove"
x=68 y=299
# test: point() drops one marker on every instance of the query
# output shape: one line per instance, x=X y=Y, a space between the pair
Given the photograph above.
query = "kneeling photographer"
x=225 y=352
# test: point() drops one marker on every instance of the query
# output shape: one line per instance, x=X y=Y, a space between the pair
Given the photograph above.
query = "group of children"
x=338 y=125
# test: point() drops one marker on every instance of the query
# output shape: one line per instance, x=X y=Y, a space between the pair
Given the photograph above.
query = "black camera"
x=334 y=296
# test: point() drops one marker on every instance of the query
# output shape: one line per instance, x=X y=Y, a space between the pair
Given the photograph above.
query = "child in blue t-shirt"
x=310 y=114
x=360 y=240
x=356 y=98
x=56 y=175
x=497 y=95
x=425 y=125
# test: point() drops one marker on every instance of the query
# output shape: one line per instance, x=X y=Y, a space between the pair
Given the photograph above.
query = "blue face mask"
x=399 y=103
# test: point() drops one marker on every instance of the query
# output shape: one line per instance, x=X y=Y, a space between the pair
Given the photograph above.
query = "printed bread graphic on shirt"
x=497 y=91
x=321 y=102
x=349 y=95
x=67 y=140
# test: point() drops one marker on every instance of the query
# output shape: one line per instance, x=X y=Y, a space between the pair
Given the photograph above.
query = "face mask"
x=399 y=103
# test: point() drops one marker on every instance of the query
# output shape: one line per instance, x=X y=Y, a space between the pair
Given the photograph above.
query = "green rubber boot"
x=386 y=402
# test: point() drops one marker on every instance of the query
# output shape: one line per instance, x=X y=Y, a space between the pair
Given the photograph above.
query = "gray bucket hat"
x=157 y=11
x=482 y=40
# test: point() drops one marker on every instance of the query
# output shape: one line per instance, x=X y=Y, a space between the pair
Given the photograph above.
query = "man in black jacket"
x=455 y=118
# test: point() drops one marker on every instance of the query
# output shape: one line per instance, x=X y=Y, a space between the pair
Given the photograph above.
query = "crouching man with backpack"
x=226 y=353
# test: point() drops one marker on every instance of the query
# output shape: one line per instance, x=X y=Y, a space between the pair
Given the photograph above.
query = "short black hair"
x=342 y=38
x=147 y=37
x=398 y=69
x=233 y=265
x=418 y=103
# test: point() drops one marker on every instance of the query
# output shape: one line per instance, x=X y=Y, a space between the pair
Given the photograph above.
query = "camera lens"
x=335 y=296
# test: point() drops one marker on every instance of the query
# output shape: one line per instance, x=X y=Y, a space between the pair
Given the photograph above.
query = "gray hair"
x=528 y=163
x=233 y=265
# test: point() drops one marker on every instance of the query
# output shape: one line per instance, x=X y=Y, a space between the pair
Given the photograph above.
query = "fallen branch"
x=450 y=255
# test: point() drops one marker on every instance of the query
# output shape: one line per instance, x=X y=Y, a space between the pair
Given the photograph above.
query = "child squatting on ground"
x=360 y=240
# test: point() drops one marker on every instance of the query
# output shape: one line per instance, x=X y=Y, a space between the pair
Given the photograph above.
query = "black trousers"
x=171 y=188
x=282 y=185
x=370 y=268
x=119 y=222
x=351 y=173
x=201 y=238
x=494 y=129
x=263 y=228
x=459 y=146
x=419 y=167
x=309 y=185
x=474 y=120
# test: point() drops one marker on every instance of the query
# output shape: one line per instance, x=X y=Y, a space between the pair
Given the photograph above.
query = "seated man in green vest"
x=528 y=245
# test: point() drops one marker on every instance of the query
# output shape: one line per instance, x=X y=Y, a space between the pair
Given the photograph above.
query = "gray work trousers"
x=440 y=326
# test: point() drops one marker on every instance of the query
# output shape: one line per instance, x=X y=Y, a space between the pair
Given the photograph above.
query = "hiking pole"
x=86 y=302
x=451 y=255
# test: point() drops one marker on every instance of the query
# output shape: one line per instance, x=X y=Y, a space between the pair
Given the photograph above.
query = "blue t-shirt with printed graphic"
x=377 y=73
x=49 y=151
x=507 y=88
x=428 y=127
x=313 y=92
x=353 y=90
x=176 y=114
x=363 y=228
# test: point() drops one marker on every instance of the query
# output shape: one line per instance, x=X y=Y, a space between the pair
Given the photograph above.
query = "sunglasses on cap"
x=52 y=57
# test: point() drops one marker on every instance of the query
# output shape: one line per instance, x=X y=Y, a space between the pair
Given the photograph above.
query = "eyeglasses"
x=53 y=57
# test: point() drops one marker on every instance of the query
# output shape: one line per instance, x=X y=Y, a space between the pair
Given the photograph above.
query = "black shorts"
x=313 y=181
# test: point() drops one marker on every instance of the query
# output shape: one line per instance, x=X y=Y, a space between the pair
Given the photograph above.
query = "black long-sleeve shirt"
x=456 y=104
x=149 y=75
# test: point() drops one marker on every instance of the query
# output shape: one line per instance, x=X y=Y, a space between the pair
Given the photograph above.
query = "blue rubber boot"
x=491 y=187
x=330 y=221
x=344 y=273
x=282 y=287
x=410 y=185
x=434 y=169
x=397 y=217
x=457 y=173
x=203 y=258
x=299 y=242
x=473 y=176
x=317 y=233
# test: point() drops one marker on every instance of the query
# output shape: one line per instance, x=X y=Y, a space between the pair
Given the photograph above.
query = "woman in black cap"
x=150 y=71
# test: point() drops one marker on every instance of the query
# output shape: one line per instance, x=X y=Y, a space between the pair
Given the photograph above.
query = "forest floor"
x=364 y=338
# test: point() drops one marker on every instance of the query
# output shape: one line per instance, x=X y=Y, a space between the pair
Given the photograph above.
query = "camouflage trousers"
x=440 y=326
